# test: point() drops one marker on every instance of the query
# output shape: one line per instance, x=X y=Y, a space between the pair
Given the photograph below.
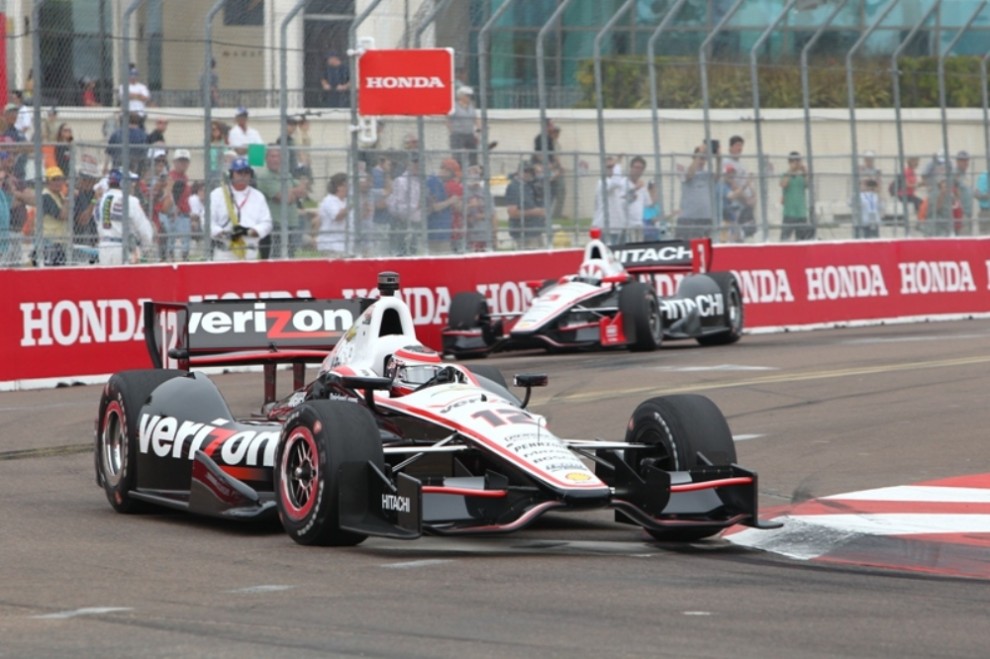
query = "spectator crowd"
x=402 y=202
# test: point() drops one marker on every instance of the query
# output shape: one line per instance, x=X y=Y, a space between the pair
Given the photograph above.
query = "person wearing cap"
x=464 y=125
x=86 y=199
x=53 y=247
x=110 y=223
x=178 y=215
x=240 y=134
x=135 y=95
x=336 y=82
x=239 y=215
x=10 y=112
x=964 y=194
x=794 y=192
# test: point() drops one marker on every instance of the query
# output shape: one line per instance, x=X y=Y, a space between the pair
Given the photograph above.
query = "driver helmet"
x=412 y=366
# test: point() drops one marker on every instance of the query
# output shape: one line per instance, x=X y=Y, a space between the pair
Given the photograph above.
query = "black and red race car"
x=389 y=439
x=612 y=301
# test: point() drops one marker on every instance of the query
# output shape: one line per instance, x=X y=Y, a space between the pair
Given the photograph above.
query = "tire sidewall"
x=303 y=523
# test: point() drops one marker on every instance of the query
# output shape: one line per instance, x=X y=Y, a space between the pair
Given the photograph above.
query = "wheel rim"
x=113 y=442
x=299 y=472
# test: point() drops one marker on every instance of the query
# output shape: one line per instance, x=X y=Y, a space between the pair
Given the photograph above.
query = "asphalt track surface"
x=816 y=413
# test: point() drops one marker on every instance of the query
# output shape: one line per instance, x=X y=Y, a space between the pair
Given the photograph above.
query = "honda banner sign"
x=415 y=82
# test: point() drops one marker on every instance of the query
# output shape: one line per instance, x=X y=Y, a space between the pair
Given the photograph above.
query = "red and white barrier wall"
x=72 y=324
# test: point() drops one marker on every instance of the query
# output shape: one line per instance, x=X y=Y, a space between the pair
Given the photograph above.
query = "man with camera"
x=239 y=215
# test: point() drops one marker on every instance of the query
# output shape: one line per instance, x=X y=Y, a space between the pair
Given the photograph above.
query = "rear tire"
x=679 y=428
x=321 y=436
x=642 y=320
x=734 y=319
x=117 y=433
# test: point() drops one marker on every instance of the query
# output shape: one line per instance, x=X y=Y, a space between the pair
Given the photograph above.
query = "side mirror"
x=530 y=380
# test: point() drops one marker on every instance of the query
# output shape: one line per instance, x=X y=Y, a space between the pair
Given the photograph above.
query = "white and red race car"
x=390 y=440
x=612 y=301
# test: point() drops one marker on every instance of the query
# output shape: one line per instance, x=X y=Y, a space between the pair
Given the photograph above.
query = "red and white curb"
x=938 y=527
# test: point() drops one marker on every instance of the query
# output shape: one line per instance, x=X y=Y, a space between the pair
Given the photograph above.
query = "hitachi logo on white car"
x=167 y=436
x=274 y=323
x=403 y=82
x=396 y=504
x=706 y=306
x=665 y=254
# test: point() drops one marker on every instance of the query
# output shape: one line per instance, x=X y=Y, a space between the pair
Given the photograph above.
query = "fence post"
x=941 y=81
x=852 y=103
x=706 y=108
x=986 y=113
x=354 y=51
x=806 y=96
x=484 y=45
x=600 y=114
x=283 y=105
x=206 y=222
x=654 y=100
x=755 y=77
x=39 y=167
x=125 y=129
x=420 y=130
x=896 y=74
x=541 y=89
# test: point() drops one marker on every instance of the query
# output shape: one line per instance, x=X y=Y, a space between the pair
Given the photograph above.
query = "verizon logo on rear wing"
x=245 y=331
x=665 y=255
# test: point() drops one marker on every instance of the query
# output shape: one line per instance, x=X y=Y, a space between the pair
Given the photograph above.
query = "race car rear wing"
x=665 y=256
x=241 y=332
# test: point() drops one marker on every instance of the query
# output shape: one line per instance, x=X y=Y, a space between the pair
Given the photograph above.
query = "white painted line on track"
x=928 y=493
x=86 y=611
x=912 y=338
x=407 y=565
x=697 y=613
x=900 y=523
x=746 y=437
x=266 y=588
x=715 y=367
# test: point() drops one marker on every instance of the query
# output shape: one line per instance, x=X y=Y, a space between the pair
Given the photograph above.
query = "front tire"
x=734 y=319
x=642 y=320
x=117 y=433
x=318 y=439
x=679 y=429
